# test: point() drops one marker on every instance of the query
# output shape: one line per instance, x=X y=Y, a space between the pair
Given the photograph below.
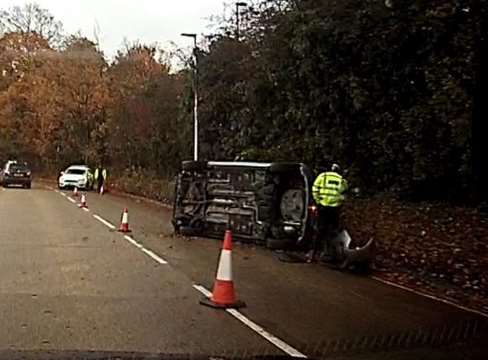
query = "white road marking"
x=432 y=297
x=56 y=190
x=133 y=242
x=280 y=344
x=203 y=290
x=154 y=256
x=149 y=253
x=103 y=221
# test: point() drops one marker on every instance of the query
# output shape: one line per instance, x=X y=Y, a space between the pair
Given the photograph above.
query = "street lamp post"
x=238 y=5
x=195 y=95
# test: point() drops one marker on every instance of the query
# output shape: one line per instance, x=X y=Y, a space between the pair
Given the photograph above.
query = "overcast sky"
x=149 y=21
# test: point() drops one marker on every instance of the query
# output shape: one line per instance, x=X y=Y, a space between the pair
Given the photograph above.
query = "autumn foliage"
x=63 y=103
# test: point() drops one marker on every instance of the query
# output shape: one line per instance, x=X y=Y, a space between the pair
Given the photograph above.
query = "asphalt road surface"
x=71 y=287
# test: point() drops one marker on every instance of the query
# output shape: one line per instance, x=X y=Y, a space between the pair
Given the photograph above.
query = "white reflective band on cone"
x=125 y=218
x=225 y=266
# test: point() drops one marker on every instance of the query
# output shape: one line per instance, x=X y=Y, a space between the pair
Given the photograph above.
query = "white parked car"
x=79 y=176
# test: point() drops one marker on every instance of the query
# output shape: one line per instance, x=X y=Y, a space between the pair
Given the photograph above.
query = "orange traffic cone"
x=223 y=295
x=124 y=224
x=83 y=202
x=75 y=192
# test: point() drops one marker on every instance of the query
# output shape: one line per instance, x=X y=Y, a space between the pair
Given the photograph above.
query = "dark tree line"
x=386 y=89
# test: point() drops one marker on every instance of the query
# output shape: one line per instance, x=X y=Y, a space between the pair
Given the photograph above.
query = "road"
x=71 y=285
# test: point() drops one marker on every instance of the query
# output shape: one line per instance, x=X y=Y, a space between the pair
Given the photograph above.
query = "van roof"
x=239 y=163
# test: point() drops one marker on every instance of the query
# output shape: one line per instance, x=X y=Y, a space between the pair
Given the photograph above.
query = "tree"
x=31 y=18
x=86 y=99
x=19 y=54
x=143 y=120
x=385 y=90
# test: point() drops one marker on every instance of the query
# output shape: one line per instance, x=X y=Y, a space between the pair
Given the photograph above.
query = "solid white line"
x=154 y=256
x=280 y=344
x=71 y=200
x=432 y=297
x=103 y=221
x=86 y=209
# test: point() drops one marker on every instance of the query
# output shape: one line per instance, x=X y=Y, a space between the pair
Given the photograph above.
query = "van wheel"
x=278 y=244
x=189 y=231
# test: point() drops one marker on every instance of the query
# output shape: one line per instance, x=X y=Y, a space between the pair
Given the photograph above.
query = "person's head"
x=335 y=167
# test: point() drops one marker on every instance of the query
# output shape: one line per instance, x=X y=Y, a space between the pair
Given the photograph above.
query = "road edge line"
x=277 y=342
x=432 y=297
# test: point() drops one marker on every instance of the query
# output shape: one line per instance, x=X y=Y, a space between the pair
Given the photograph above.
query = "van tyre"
x=278 y=244
x=189 y=231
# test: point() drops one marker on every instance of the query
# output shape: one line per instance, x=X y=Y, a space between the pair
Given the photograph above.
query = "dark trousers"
x=328 y=219
x=100 y=182
x=328 y=225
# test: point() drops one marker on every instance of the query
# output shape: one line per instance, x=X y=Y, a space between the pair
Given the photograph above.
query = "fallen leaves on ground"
x=437 y=248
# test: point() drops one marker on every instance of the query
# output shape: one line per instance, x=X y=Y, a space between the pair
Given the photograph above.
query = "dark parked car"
x=265 y=203
x=15 y=173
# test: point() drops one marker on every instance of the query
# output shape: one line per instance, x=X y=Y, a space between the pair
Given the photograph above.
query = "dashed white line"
x=133 y=242
x=203 y=290
x=148 y=252
x=280 y=344
x=432 y=297
x=288 y=349
x=154 y=256
x=103 y=221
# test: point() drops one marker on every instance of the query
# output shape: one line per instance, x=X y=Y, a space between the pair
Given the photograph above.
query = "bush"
x=145 y=183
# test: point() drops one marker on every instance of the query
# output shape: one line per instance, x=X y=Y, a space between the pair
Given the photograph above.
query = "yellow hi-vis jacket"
x=328 y=189
x=103 y=173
